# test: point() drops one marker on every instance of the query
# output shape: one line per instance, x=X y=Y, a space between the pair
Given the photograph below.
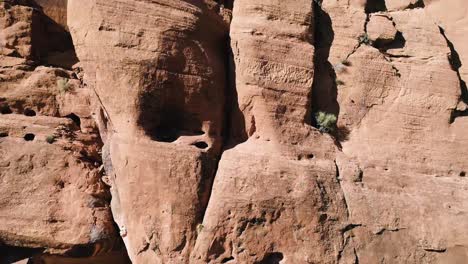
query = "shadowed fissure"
x=455 y=62
x=233 y=131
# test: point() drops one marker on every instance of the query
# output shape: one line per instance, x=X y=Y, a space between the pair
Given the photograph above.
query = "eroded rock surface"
x=160 y=76
x=192 y=129
x=267 y=186
x=52 y=199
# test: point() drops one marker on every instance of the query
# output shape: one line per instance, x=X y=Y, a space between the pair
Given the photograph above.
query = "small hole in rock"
x=201 y=145
x=60 y=184
x=306 y=156
x=74 y=118
x=462 y=174
x=5 y=109
x=227 y=259
x=3 y=134
x=29 y=137
x=29 y=112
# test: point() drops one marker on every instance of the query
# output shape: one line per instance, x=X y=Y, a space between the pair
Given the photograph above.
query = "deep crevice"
x=455 y=62
x=324 y=92
x=373 y=6
x=356 y=258
x=233 y=132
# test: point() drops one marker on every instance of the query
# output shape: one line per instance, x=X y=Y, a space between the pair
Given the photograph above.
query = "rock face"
x=266 y=187
x=233 y=131
x=52 y=199
x=161 y=78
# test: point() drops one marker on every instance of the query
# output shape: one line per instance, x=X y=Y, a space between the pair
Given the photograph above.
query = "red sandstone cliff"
x=202 y=131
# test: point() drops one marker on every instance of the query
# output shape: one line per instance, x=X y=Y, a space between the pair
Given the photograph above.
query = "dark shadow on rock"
x=162 y=107
x=10 y=254
x=272 y=258
x=51 y=43
x=324 y=89
x=373 y=6
x=398 y=43
x=418 y=4
x=456 y=63
x=235 y=121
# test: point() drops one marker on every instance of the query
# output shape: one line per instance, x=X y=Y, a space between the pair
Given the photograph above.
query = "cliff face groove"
x=183 y=131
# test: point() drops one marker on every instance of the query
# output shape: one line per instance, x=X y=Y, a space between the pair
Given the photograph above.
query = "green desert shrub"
x=326 y=122
x=50 y=139
x=62 y=85
x=200 y=228
x=364 y=39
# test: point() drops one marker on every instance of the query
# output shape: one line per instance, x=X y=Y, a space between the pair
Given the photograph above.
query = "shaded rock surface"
x=52 y=199
x=160 y=76
x=189 y=131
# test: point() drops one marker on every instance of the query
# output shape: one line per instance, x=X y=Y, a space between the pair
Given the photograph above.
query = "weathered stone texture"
x=192 y=129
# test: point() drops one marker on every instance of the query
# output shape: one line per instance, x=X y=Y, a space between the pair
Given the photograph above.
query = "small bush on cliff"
x=50 y=139
x=364 y=39
x=63 y=85
x=200 y=228
x=326 y=122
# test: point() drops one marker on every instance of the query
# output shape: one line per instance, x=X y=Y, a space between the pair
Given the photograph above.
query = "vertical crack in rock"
x=456 y=64
x=356 y=258
x=346 y=238
x=324 y=92
x=398 y=41
x=281 y=169
x=344 y=230
x=165 y=139
x=324 y=87
x=231 y=103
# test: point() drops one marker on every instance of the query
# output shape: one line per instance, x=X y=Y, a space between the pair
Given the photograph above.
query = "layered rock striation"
x=183 y=131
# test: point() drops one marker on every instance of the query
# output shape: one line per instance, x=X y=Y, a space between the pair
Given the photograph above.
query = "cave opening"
x=76 y=119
